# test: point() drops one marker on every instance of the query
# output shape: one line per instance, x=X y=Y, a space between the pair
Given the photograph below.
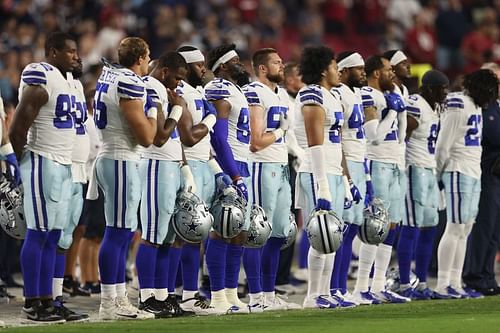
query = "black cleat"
x=67 y=314
x=156 y=307
x=37 y=313
x=172 y=304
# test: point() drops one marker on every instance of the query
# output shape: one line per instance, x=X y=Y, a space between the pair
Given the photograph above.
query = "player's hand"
x=240 y=184
x=222 y=181
x=284 y=122
x=174 y=98
x=395 y=102
x=13 y=168
x=356 y=194
x=189 y=183
x=323 y=204
x=209 y=108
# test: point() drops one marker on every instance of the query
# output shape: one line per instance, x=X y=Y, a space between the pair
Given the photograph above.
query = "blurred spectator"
x=403 y=13
x=451 y=27
x=310 y=23
x=421 y=41
x=477 y=46
x=336 y=13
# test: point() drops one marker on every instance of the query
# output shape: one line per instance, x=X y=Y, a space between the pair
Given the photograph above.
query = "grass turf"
x=481 y=316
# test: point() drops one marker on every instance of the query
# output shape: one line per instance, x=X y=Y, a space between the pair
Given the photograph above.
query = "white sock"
x=186 y=294
x=121 y=289
x=219 y=297
x=232 y=297
x=57 y=287
x=367 y=254
x=326 y=276
x=108 y=291
x=147 y=293
x=161 y=294
x=458 y=262
x=446 y=254
x=269 y=296
x=316 y=263
x=254 y=298
x=382 y=260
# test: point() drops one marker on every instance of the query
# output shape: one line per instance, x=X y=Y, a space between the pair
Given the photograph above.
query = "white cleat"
x=232 y=298
x=199 y=305
x=258 y=306
x=350 y=298
x=279 y=304
x=109 y=311
x=223 y=308
x=124 y=306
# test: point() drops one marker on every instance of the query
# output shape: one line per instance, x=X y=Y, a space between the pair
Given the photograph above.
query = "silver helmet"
x=292 y=233
x=192 y=220
x=12 y=210
x=376 y=225
x=229 y=210
x=260 y=229
x=325 y=231
x=393 y=281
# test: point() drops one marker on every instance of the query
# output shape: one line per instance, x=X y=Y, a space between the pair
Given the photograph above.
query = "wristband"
x=209 y=121
x=175 y=113
x=6 y=149
x=278 y=133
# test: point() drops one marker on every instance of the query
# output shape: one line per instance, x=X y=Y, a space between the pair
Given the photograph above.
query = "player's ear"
x=164 y=73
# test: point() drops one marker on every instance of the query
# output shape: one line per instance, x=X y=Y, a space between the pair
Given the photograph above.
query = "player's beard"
x=242 y=78
x=387 y=85
x=194 y=80
x=356 y=82
x=276 y=78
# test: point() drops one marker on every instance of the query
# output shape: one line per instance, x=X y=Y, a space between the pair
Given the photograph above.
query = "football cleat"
x=387 y=296
x=319 y=302
x=279 y=304
x=155 y=307
x=407 y=292
x=37 y=313
x=172 y=303
x=457 y=291
x=472 y=293
x=349 y=297
x=336 y=295
x=365 y=298
x=258 y=306
x=125 y=308
x=422 y=294
x=232 y=298
x=199 y=305
x=67 y=314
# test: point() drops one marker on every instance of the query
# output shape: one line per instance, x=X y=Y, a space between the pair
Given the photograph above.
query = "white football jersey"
x=459 y=141
x=53 y=131
x=404 y=93
x=384 y=150
x=172 y=149
x=238 y=121
x=81 y=148
x=274 y=103
x=332 y=147
x=118 y=142
x=353 y=132
x=194 y=99
x=421 y=146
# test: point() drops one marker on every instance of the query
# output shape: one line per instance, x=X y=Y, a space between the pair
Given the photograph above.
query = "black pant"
x=479 y=271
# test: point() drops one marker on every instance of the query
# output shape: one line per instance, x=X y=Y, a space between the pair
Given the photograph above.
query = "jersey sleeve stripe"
x=34 y=73
x=311 y=91
x=413 y=110
x=455 y=105
x=34 y=80
x=454 y=99
x=130 y=87
x=217 y=93
x=251 y=94
x=130 y=93
x=311 y=98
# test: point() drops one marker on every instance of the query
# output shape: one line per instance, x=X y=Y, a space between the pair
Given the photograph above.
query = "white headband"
x=397 y=58
x=225 y=58
x=192 y=56
x=354 y=60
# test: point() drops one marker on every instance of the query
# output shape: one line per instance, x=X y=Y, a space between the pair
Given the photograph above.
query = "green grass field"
x=469 y=316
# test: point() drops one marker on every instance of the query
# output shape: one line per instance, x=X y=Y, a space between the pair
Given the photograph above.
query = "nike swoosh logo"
x=127 y=316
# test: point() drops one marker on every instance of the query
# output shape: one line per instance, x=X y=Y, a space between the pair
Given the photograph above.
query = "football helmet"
x=325 y=231
x=12 y=210
x=260 y=229
x=192 y=220
x=393 y=281
x=376 y=225
x=228 y=210
x=292 y=233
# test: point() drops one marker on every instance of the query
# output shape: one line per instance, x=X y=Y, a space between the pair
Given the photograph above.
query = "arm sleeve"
x=448 y=133
x=219 y=141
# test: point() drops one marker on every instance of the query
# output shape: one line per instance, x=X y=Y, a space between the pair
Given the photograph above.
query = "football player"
x=230 y=140
x=320 y=184
x=160 y=169
x=381 y=128
x=80 y=155
x=458 y=156
x=195 y=126
x=42 y=135
x=352 y=76
x=270 y=175
x=421 y=215
x=126 y=118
